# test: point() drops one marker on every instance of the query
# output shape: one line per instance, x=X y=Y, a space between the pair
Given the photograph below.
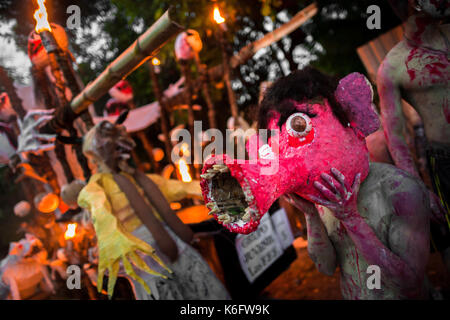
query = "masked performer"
x=130 y=213
x=376 y=215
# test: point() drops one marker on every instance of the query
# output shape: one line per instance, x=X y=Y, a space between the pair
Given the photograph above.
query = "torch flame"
x=185 y=149
x=183 y=169
x=217 y=17
x=41 y=17
x=71 y=231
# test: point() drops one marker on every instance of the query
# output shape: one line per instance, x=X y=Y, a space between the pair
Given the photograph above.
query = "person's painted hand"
x=336 y=197
x=305 y=206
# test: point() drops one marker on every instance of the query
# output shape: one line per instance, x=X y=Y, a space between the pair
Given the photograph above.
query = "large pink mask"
x=310 y=142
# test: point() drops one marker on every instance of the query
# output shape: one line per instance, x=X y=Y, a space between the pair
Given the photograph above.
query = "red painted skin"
x=298 y=164
x=418 y=70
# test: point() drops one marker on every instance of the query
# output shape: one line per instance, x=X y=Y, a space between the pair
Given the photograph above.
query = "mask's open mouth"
x=228 y=196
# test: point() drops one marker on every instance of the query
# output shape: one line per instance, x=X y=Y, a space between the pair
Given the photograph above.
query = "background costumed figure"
x=131 y=214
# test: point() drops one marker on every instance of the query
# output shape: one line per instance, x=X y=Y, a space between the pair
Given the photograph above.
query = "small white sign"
x=283 y=228
x=259 y=249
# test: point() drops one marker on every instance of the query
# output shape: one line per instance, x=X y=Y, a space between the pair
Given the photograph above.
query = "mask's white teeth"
x=207 y=175
x=215 y=210
x=221 y=168
x=227 y=221
x=224 y=216
x=246 y=216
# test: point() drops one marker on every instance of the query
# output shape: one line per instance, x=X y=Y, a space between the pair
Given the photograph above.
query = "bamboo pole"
x=145 y=47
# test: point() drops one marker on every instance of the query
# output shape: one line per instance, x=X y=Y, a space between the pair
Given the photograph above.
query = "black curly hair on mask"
x=302 y=86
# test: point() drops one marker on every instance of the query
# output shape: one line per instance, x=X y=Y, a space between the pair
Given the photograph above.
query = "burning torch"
x=220 y=21
x=54 y=51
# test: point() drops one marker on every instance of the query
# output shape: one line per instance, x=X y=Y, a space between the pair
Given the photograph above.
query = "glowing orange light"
x=217 y=17
x=175 y=205
x=41 y=17
x=158 y=154
x=183 y=169
x=47 y=203
x=71 y=231
x=156 y=61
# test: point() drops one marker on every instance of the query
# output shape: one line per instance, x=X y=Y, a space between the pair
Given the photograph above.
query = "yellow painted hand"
x=115 y=244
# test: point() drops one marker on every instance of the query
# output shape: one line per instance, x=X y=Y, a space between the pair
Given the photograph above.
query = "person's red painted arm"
x=393 y=119
x=403 y=264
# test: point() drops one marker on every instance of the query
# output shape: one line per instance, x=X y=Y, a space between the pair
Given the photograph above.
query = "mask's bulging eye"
x=298 y=125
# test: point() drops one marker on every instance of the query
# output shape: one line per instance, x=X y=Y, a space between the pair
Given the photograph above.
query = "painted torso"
x=375 y=207
x=420 y=66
